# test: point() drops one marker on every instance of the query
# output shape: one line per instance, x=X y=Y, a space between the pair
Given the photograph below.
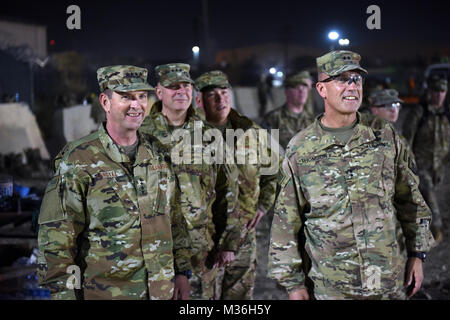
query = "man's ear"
x=321 y=89
x=374 y=110
x=105 y=102
x=158 y=91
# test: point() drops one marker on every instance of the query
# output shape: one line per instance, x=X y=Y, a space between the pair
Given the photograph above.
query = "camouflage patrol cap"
x=295 y=79
x=215 y=78
x=336 y=62
x=383 y=97
x=173 y=73
x=437 y=83
x=123 y=78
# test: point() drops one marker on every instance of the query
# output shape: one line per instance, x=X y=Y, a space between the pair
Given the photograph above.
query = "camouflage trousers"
x=237 y=281
x=202 y=281
x=427 y=187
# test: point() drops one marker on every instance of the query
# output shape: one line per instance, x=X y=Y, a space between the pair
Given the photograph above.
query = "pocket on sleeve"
x=51 y=207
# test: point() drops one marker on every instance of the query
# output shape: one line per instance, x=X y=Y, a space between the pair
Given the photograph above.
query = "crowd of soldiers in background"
x=223 y=240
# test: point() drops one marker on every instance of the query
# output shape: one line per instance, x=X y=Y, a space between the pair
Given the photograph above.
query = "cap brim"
x=168 y=82
x=221 y=85
x=295 y=83
x=348 y=67
x=132 y=87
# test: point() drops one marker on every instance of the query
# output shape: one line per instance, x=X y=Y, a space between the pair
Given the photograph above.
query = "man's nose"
x=134 y=103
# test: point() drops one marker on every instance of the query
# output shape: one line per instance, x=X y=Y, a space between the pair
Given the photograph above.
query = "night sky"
x=167 y=30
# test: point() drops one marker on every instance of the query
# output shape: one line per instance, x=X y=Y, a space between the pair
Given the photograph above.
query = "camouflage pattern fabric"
x=172 y=73
x=123 y=78
x=288 y=122
x=114 y=219
x=384 y=97
x=378 y=123
x=199 y=185
x=437 y=83
x=358 y=209
x=256 y=191
x=295 y=79
x=336 y=62
x=427 y=130
x=237 y=280
x=214 y=78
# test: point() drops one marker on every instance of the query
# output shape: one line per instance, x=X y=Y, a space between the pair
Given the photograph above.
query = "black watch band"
x=421 y=255
x=186 y=273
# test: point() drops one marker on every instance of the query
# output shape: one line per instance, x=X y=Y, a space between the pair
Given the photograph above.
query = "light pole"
x=195 y=53
x=333 y=35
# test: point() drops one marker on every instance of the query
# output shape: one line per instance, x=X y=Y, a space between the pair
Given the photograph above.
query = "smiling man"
x=200 y=182
x=349 y=202
x=107 y=212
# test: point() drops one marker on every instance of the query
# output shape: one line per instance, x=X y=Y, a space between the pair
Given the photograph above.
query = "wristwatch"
x=414 y=254
x=186 y=273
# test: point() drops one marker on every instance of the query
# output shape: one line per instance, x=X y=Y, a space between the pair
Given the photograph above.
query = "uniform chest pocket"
x=160 y=191
x=193 y=186
x=381 y=180
x=51 y=208
x=323 y=180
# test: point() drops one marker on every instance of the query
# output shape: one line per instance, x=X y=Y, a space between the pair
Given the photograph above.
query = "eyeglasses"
x=346 y=79
x=394 y=105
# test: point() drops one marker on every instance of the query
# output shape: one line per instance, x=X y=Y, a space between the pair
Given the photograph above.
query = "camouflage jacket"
x=428 y=132
x=288 y=122
x=376 y=122
x=355 y=210
x=256 y=189
x=199 y=181
x=113 y=219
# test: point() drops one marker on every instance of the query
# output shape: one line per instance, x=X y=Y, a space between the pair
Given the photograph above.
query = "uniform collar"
x=287 y=112
x=115 y=152
x=239 y=121
x=362 y=134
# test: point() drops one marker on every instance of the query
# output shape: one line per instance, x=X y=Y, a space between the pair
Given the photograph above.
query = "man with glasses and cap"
x=200 y=181
x=385 y=104
x=293 y=116
x=427 y=129
x=107 y=212
x=349 y=201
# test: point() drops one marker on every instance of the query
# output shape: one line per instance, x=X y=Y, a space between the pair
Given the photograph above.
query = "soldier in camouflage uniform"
x=349 y=199
x=199 y=181
x=293 y=116
x=107 y=211
x=427 y=130
x=385 y=105
x=256 y=190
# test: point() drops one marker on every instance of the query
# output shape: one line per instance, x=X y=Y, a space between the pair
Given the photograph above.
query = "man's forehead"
x=127 y=93
x=177 y=84
x=351 y=72
x=215 y=89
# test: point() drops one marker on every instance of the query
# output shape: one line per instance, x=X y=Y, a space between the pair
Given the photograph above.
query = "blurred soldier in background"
x=428 y=131
x=294 y=115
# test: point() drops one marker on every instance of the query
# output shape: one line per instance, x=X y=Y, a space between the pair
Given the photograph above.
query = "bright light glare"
x=195 y=49
x=333 y=35
x=272 y=70
x=279 y=74
x=344 y=42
